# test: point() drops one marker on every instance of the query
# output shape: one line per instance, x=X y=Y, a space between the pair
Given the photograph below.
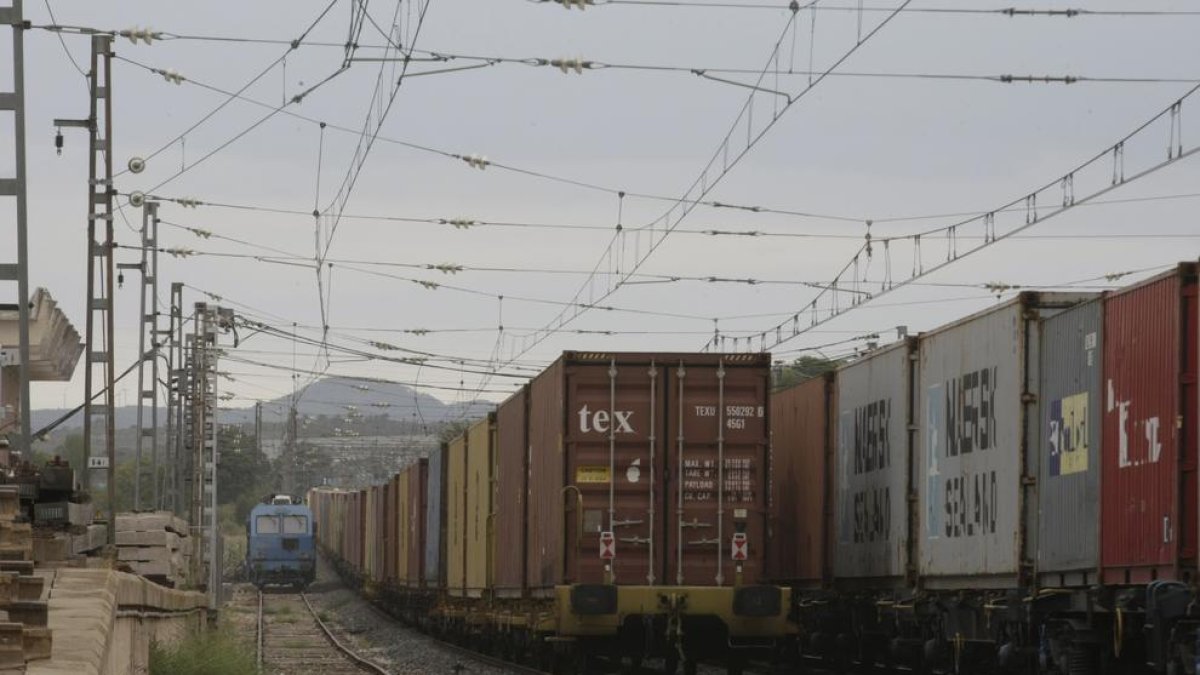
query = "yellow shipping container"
x=481 y=444
x=399 y=532
x=456 y=505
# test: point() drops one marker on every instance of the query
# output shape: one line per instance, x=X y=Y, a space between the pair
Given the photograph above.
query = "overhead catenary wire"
x=722 y=162
x=1005 y=11
x=1066 y=183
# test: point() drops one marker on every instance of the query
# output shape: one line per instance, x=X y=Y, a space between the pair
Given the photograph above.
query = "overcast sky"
x=860 y=147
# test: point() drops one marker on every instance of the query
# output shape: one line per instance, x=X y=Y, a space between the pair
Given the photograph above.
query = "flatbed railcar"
x=615 y=509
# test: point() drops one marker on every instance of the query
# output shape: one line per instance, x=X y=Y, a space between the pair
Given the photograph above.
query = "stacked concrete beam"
x=155 y=545
x=24 y=635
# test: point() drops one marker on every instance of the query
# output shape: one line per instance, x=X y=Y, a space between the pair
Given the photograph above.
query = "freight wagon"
x=617 y=507
x=917 y=475
x=1016 y=491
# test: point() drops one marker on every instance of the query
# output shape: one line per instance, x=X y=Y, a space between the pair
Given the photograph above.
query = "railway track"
x=292 y=638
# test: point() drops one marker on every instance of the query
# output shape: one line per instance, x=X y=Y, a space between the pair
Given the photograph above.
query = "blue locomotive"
x=279 y=543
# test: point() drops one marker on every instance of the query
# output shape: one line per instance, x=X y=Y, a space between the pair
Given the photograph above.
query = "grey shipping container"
x=435 y=518
x=978 y=387
x=873 y=464
x=1069 y=446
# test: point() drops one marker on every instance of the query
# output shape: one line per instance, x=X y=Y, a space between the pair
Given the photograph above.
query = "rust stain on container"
x=801 y=444
x=512 y=486
x=1148 y=473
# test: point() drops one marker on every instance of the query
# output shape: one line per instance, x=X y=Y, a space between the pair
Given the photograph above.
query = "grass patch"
x=211 y=652
x=324 y=616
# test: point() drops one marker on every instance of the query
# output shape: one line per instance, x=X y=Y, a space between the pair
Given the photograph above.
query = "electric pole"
x=99 y=424
x=17 y=187
x=147 y=378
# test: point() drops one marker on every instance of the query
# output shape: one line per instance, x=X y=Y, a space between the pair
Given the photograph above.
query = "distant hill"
x=329 y=396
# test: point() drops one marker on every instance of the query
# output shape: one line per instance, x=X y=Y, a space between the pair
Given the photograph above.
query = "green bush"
x=211 y=652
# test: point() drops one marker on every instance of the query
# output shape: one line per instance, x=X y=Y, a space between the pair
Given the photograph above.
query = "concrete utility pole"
x=16 y=187
x=99 y=425
x=147 y=388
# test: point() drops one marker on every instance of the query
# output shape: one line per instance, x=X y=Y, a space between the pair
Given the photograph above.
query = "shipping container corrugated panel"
x=1069 y=446
x=481 y=443
x=1148 y=470
x=800 y=448
x=603 y=430
x=433 y=573
x=978 y=386
x=872 y=464
x=512 y=451
x=414 y=525
x=456 y=516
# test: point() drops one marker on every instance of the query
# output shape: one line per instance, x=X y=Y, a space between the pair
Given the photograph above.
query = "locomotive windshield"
x=295 y=524
x=267 y=524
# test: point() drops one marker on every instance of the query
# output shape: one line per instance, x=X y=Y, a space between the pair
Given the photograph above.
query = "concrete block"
x=46 y=549
x=38 y=643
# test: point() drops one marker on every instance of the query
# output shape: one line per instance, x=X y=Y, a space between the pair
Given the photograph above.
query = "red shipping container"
x=668 y=452
x=416 y=475
x=801 y=446
x=1148 y=472
x=512 y=486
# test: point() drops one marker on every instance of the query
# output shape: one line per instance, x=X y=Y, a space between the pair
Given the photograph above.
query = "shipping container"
x=873 y=466
x=512 y=486
x=414 y=524
x=391 y=547
x=434 y=571
x=605 y=429
x=1069 y=446
x=399 y=524
x=481 y=443
x=456 y=516
x=977 y=402
x=801 y=444
x=1148 y=470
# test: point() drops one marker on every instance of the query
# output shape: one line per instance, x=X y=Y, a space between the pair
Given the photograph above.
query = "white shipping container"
x=977 y=412
x=872 y=464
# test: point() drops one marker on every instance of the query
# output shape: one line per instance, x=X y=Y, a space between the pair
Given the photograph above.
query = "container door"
x=613 y=471
x=717 y=440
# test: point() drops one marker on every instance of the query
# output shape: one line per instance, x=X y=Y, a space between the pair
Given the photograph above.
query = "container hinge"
x=634 y=540
x=625 y=523
x=912 y=497
x=1029 y=397
x=694 y=523
x=913 y=427
x=1028 y=480
x=704 y=542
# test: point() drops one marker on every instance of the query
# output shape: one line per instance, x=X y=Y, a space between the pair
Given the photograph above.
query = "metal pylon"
x=148 y=343
x=176 y=395
x=99 y=430
x=16 y=187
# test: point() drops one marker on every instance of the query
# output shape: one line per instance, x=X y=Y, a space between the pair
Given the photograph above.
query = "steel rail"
x=259 y=653
x=358 y=660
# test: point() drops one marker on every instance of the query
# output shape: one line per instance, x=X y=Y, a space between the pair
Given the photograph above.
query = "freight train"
x=1013 y=492
x=615 y=509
